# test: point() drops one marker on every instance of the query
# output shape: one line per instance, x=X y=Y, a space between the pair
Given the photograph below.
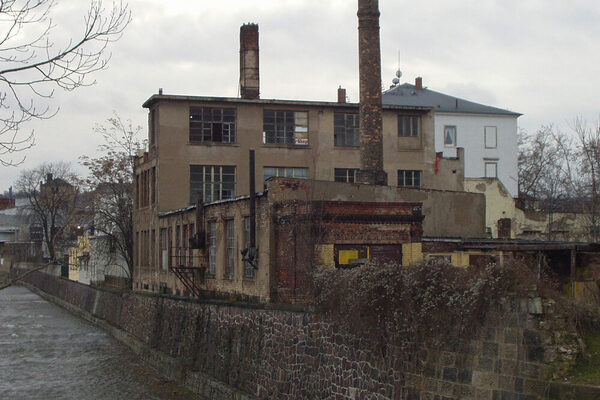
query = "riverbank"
x=245 y=351
x=49 y=353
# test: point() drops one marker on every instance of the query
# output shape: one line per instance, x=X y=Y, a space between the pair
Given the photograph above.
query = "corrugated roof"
x=408 y=95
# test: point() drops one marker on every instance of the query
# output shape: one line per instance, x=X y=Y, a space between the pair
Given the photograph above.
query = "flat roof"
x=236 y=100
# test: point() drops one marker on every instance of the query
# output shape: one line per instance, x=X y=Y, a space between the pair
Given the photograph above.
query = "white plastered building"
x=487 y=134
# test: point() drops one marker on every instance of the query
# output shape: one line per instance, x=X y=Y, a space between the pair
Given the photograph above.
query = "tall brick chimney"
x=371 y=138
x=249 y=74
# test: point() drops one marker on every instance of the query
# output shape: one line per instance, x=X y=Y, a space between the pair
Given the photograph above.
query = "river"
x=47 y=353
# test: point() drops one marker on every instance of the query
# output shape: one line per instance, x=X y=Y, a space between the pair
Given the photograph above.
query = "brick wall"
x=257 y=353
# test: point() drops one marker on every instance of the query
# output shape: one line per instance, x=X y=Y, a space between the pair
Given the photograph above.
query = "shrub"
x=423 y=303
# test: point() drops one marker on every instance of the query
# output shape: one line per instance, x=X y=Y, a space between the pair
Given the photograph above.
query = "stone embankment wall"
x=242 y=351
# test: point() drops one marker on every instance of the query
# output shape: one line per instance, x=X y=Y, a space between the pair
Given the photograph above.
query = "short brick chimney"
x=249 y=73
x=419 y=83
x=341 y=95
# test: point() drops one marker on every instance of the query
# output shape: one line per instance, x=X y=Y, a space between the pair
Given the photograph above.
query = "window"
x=212 y=248
x=408 y=125
x=285 y=172
x=230 y=230
x=491 y=169
x=285 y=127
x=491 y=137
x=212 y=125
x=345 y=175
x=450 y=136
x=346 y=129
x=409 y=178
x=164 y=249
x=213 y=182
x=248 y=268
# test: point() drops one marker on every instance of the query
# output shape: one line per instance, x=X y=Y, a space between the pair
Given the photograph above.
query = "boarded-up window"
x=491 y=138
x=230 y=231
x=212 y=249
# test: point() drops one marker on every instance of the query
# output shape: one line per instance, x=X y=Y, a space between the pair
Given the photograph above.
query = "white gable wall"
x=470 y=135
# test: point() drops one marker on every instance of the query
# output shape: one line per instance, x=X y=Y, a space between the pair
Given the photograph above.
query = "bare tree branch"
x=33 y=64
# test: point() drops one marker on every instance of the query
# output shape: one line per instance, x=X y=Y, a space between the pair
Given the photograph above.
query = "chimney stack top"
x=341 y=95
x=419 y=83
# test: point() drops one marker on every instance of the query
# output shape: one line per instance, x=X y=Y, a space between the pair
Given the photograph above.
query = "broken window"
x=285 y=172
x=230 y=231
x=213 y=182
x=408 y=125
x=212 y=248
x=346 y=129
x=285 y=127
x=212 y=125
x=409 y=178
x=345 y=175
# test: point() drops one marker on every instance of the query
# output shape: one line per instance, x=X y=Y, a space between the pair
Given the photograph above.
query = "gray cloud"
x=535 y=57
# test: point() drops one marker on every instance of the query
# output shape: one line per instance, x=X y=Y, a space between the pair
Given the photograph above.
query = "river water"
x=47 y=353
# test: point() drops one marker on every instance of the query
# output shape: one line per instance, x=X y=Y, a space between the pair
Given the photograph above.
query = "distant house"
x=487 y=134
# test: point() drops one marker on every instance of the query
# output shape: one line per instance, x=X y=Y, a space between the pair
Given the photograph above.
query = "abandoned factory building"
x=193 y=213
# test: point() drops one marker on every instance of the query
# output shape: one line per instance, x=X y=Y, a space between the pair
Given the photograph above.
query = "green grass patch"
x=587 y=369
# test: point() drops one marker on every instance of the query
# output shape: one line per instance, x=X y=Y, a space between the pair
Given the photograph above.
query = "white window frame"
x=491 y=163
x=453 y=144
x=490 y=137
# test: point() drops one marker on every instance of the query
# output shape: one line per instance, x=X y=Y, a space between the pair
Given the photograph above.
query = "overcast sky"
x=536 y=57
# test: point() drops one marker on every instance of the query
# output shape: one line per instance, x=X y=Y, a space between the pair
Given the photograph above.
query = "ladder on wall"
x=191 y=277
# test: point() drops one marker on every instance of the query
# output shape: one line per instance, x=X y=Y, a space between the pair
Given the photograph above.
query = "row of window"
x=175 y=249
x=217 y=182
x=218 y=125
x=490 y=136
x=230 y=249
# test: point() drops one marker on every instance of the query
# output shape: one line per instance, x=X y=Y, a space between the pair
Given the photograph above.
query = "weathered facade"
x=504 y=219
x=299 y=223
x=199 y=150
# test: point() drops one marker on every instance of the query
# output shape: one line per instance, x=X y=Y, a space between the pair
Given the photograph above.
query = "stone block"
x=450 y=374
x=485 y=364
x=534 y=306
x=508 y=351
x=490 y=349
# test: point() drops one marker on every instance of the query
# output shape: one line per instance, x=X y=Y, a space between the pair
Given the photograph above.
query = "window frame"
x=207 y=119
x=415 y=175
x=212 y=248
x=285 y=175
x=412 y=130
x=229 y=272
x=495 y=137
x=485 y=166
x=219 y=189
x=455 y=135
x=350 y=174
x=351 y=121
x=285 y=127
x=249 y=271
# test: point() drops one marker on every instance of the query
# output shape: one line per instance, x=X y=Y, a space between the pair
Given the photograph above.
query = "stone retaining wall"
x=244 y=351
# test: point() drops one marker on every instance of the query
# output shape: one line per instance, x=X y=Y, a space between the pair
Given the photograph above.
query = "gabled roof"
x=408 y=95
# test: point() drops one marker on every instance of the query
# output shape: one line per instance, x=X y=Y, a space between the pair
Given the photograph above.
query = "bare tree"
x=111 y=179
x=35 y=62
x=51 y=190
x=583 y=161
x=542 y=173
